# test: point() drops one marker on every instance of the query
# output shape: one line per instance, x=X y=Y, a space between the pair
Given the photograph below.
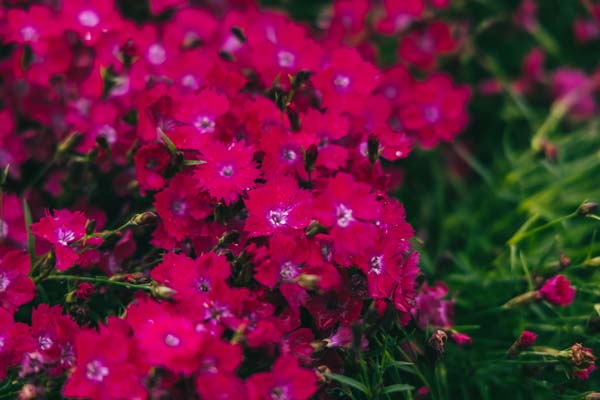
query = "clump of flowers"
x=251 y=159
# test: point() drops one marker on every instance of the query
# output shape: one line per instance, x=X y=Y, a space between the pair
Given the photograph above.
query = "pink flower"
x=558 y=291
x=399 y=14
x=285 y=381
x=278 y=205
x=430 y=310
x=199 y=113
x=15 y=339
x=174 y=342
x=181 y=207
x=345 y=80
x=151 y=161
x=436 y=111
x=527 y=339
x=348 y=209
x=106 y=365
x=63 y=229
x=16 y=287
x=228 y=172
x=54 y=334
x=421 y=47
x=461 y=339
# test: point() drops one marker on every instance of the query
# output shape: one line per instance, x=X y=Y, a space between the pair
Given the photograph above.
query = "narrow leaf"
x=30 y=237
x=397 y=388
x=348 y=381
x=168 y=141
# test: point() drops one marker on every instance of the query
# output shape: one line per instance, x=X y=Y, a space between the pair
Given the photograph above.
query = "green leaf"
x=4 y=175
x=193 y=162
x=399 y=387
x=345 y=380
x=30 y=237
x=168 y=141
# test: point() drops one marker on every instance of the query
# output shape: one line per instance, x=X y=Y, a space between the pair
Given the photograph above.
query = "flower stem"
x=98 y=280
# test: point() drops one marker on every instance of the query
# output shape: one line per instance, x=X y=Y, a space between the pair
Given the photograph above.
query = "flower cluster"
x=261 y=153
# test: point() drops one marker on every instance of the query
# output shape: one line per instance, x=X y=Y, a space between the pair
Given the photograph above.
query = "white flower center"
x=88 y=18
x=64 y=235
x=156 y=54
x=3 y=229
x=108 y=132
x=288 y=271
x=172 y=340
x=376 y=264
x=290 y=155
x=280 y=393
x=96 y=371
x=189 y=81
x=286 y=59
x=226 y=171
x=341 y=82
x=45 y=342
x=205 y=124
x=278 y=217
x=344 y=215
x=2 y=339
x=4 y=282
x=29 y=33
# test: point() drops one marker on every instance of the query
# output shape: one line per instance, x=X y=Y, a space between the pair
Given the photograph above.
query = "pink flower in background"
x=558 y=291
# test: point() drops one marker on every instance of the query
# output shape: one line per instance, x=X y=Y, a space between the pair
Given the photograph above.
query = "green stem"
x=98 y=280
x=520 y=236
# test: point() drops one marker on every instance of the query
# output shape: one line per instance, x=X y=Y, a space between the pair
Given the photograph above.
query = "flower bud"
x=145 y=218
x=373 y=148
x=592 y=262
x=162 y=292
x=310 y=158
x=437 y=341
x=587 y=208
x=526 y=340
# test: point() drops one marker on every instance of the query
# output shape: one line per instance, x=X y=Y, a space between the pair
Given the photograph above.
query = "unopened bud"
x=300 y=78
x=310 y=158
x=438 y=340
x=70 y=142
x=523 y=299
x=314 y=228
x=145 y=218
x=90 y=226
x=308 y=281
x=322 y=372
x=239 y=34
x=526 y=340
x=587 y=208
x=4 y=174
x=373 y=148
x=564 y=261
x=580 y=356
x=29 y=392
x=592 y=262
x=163 y=292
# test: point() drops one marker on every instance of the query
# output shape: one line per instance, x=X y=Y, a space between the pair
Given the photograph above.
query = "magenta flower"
x=558 y=291
x=16 y=287
x=64 y=229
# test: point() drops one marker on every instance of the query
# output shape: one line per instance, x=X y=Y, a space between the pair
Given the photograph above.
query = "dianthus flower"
x=436 y=111
x=15 y=339
x=287 y=380
x=65 y=230
x=16 y=287
x=278 y=205
x=106 y=365
x=558 y=291
x=228 y=172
